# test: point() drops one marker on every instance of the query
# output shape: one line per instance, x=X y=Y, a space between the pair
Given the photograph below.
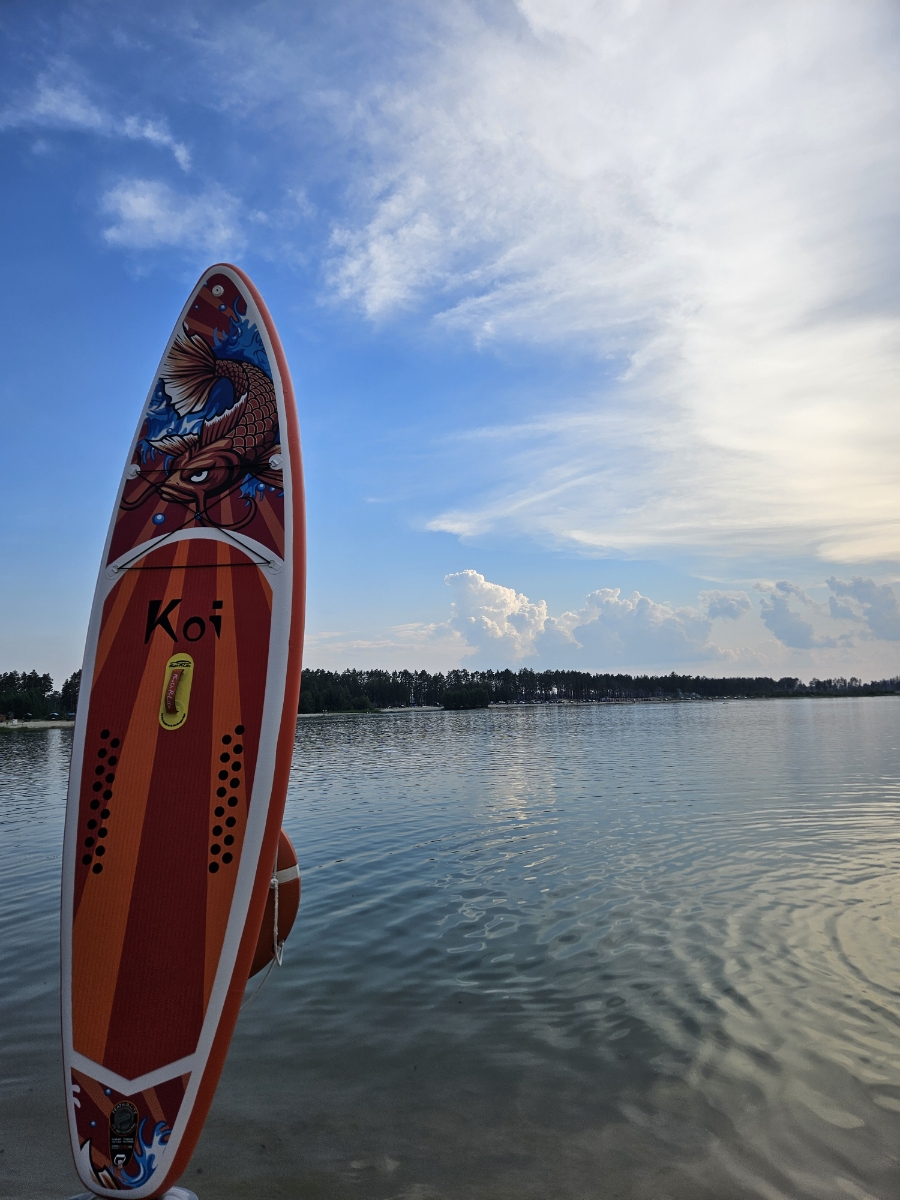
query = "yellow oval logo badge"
x=176 y=693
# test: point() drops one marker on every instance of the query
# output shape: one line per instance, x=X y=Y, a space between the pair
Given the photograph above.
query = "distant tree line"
x=365 y=691
x=25 y=694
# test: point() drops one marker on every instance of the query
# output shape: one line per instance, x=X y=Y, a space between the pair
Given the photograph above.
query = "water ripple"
x=605 y=951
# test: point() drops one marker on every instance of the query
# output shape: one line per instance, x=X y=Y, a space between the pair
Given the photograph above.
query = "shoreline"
x=432 y=708
x=37 y=724
x=617 y=700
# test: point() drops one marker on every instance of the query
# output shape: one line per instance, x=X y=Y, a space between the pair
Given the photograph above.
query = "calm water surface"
x=640 y=951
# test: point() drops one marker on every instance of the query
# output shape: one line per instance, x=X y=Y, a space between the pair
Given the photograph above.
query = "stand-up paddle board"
x=182 y=743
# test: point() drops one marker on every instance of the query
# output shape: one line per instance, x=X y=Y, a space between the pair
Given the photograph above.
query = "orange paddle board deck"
x=183 y=742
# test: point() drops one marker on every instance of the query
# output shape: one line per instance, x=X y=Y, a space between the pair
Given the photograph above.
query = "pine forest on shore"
x=28 y=694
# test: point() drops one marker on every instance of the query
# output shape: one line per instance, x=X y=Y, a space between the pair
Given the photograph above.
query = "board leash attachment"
x=279 y=878
x=287 y=875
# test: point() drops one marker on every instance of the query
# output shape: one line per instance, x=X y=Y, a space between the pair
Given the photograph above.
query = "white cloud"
x=728 y=606
x=502 y=625
x=147 y=213
x=784 y=622
x=871 y=602
x=702 y=194
x=611 y=631
x=642 y=633
x=158 y=135
x=491 y=625
x=499 y=621
x=58 y=103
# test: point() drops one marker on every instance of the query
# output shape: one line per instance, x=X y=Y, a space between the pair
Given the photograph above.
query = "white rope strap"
x=279 y=877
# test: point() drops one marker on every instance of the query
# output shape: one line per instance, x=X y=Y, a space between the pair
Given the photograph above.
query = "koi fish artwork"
x=209 y=453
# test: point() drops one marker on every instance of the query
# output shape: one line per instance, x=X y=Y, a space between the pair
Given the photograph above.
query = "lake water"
x=605 y=951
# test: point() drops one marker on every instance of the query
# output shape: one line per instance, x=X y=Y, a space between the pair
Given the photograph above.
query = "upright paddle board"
x=182 y=743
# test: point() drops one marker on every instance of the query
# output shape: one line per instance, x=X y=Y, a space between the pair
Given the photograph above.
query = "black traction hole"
x=213 y=867
x=231 y=822
x=86 y=859
x=238 y=729
x=104 y=733
x=226 y=858
x=98 y=867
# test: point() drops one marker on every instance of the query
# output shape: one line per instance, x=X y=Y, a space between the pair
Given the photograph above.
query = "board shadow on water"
x=636 y=951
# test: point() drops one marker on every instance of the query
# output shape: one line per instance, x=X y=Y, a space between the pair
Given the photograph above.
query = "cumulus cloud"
x=497 y=619
x=58 y=103
x=728 y=606
x=871 y=602
x=147 y=213
x=500 y=624
x=491 y=624
x=641 y=632
x=784 y=622
x=699 y=194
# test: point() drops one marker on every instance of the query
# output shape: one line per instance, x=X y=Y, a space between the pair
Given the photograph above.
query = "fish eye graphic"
x=218 y=290
x=199 y=477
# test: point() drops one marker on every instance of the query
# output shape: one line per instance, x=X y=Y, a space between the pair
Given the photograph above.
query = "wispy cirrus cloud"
x=696 y=200
x=57 y=103
x=697 y=194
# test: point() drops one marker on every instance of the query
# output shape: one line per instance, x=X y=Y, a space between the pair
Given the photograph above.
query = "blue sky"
x=591 y=311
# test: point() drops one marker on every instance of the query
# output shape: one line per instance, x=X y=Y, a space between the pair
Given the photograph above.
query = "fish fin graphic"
x=271 y=478
x=191 y=372
x=224 y=423
x=175 y=443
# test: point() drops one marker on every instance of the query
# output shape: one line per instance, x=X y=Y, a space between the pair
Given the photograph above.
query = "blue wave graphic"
x=146 y=1153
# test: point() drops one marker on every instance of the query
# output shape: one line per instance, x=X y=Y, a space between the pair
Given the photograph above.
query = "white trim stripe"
x=130 y=1087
